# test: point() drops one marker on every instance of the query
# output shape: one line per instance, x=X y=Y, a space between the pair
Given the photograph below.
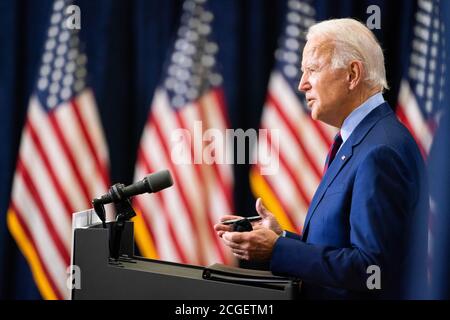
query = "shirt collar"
x=357 y=115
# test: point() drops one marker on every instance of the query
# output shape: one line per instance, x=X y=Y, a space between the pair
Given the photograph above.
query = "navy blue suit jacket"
x=360 y=215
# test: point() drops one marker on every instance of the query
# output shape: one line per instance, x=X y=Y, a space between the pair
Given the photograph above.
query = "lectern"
x=134 y=277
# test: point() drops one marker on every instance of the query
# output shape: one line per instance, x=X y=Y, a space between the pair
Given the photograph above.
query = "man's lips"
x=309 y=101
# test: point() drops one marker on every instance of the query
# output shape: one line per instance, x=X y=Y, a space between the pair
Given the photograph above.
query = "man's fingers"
x=236 y=237
x=229 y=217
x=231 y=244
x=239 y=252
x=262 y=211
x=222 y=227
x=241 y=256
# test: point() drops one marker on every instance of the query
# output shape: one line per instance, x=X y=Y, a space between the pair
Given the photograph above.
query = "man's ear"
x=355 y=74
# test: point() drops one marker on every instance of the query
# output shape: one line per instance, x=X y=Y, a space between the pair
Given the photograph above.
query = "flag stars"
x=292 y=44
x=59 y=62
x=211 y=48
x=50 y=44
x=57 y=75
x=58 y=5
x=52 y=101
x=52 y=31
x=70 y=67
x=45 y=70
x=293 y=31
x=65 y=93
x=290 y=70
x=193 y=60
x=299 y=18
x=64 y=36
x=79 y=85
x=68 y=80
x=56 y=17
x=293 y=17
x=42 y=83
x=61 y=50
x=54 y=88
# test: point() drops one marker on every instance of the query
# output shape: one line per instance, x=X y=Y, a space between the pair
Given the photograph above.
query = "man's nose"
x=304 y=84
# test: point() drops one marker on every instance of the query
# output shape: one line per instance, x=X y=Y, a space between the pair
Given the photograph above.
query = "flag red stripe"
x=29 y=183
x=61 y=194
x=32 y=242
x=58 y=133
x=173 y=235
x=179 y=185
x=100 y=168
x=198 y=172
x=295 y=135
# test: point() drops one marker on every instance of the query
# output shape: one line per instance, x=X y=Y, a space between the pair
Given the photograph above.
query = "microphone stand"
x=124 y=212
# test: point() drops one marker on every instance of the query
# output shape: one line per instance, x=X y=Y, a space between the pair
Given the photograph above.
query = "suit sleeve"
x=292 y=235
x=382 y=195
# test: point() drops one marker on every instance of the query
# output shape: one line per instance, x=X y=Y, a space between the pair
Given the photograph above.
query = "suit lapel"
x=343 y=157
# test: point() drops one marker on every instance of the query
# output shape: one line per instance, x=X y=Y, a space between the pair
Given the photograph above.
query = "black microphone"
x=152 y=183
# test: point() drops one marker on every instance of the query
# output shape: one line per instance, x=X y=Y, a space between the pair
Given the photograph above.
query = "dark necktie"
x=333 y=150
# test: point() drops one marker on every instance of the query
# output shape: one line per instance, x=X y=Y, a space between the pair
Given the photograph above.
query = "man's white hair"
x=353 y=41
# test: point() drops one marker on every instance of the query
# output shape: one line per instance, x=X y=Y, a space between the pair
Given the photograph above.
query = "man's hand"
x=254 y=245
x=268 y=219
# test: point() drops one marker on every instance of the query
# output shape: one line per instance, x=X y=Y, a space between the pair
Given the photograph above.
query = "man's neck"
x=357 y=99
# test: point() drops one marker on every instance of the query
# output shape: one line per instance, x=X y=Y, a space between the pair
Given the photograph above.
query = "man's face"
x=325 y=88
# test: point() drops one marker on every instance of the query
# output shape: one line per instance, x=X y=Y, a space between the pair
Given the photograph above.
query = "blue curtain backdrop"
x=126 y=43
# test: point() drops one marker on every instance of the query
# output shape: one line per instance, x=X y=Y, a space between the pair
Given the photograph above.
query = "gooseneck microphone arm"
x=152 y=183
x=120 y=195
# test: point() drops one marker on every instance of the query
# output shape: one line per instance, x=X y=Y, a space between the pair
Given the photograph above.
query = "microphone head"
x=159 y=180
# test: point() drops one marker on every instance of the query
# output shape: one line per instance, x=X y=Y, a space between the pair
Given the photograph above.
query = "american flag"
x=177 y=224
x=420 y=107
x=62 y=162
x=303 y=143
x=421 y=89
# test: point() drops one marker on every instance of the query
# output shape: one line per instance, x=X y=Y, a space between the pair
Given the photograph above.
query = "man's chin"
x=314 y=114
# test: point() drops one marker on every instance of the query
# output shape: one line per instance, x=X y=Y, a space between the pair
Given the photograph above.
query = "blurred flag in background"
x=62 y=162
x=187 y=119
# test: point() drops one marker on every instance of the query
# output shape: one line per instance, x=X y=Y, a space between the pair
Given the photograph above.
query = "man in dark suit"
x=359 y=219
